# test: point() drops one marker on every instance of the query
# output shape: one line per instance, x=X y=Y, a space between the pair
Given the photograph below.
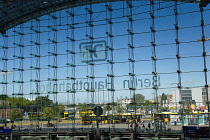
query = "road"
x=64 y=126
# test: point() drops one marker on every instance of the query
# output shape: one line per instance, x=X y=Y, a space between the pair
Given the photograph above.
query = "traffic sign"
x=98 y=110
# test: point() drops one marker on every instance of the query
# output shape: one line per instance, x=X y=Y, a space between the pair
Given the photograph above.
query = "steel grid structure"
x=50 y=35
x=16 y=12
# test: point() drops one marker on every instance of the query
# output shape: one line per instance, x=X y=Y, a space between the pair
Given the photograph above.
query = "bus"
x=103 y=119
x=129 y=118
x=165 y=116
x=64 y=115
x=33 y=115
x=111 y=119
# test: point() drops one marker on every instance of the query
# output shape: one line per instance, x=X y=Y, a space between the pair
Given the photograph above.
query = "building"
x=196 y=97
x=124 y=102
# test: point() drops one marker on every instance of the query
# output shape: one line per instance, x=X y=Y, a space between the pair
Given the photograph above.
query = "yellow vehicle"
x=89 y=119
x=64 y=115
x=111 y=119
x=164 y=116
x=35 y=114
x=89 y=112
x=128 y=118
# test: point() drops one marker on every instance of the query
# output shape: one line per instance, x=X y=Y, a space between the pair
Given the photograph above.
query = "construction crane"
x=204 y=39
x=184 y=82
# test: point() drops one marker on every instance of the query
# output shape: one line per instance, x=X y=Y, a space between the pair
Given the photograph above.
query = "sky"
x=190 y=50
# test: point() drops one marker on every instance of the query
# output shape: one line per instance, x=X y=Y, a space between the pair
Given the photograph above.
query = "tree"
x=60 y=109
x=188 y=109
x=138 y=98
x=43 y=101
x=83 y=107
x=163 y=98
x=15 y=114
x=84 y=110
x=19 y=102
x=49 y=113
x=148 y=103
x=120 y=109
x=107 y=107
x=4 y=97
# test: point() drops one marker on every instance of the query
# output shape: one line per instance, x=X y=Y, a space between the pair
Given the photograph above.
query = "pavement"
x=116 y=127
x=168 y=127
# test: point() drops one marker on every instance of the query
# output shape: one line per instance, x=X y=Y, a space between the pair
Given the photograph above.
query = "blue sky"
x=190 y=50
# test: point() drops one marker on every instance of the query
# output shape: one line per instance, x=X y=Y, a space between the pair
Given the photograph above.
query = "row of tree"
x=137 y=101
x=16 y=107
x=19 y=105
x=26 y=104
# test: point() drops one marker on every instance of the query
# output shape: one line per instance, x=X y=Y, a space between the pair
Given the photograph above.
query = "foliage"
x=18 y=101
x=84 y=110
x=83 y=107
x=163 y=98
x=49 y=112
x=59 y=109
x=14 y=114
x=3 y=97
x=138 y=98
x=107 y=107
x=43 y=101
x=21 y=103
x=187 y=108
x=120 y=109
x=148 y=103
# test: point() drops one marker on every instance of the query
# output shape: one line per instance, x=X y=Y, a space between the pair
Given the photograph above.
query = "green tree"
x=188 y=109
x=148 y=103
x=84 y=110
x=60 y=109
x=107 y=107
x=3 y=97
x=49 y=113
x=19 y=102
x=15 y=114
x=43 y=101
x=83 y=107
x=138 y=98
x=120 y=109
x=163 y=98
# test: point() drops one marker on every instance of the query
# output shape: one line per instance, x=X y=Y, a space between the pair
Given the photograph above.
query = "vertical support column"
x=68 y=55
x=88 y=55
x=90 y=51
x=206 y=86
x=36 y=56
x=178 y=57
x=53 y=53
x=4 y=71
x=18 y=67
x=110 y=50
x=72 y=63
x=131 y=58
x=154 y=59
